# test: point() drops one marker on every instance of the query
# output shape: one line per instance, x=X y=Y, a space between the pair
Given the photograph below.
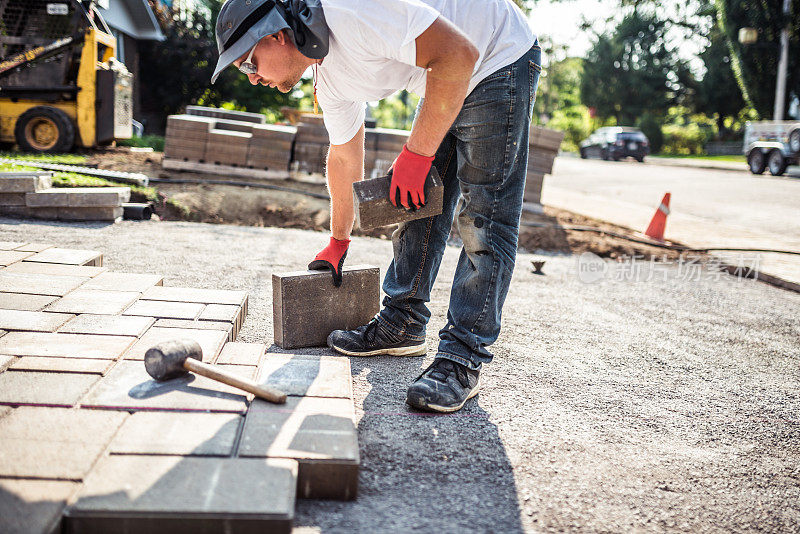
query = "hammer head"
x=165 y=360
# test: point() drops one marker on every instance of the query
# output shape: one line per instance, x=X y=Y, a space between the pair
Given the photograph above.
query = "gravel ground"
x=667 y=404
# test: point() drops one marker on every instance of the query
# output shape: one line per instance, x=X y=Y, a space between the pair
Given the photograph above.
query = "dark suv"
x=616 y=143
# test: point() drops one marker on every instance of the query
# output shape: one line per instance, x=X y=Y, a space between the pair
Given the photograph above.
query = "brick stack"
x=310 y=148
x=30 y=194
x=92 y=444
x=382 y=146
x=270 y=147
x=217 y=113
x=187 y=136
x=227 y=147
x=544 y=145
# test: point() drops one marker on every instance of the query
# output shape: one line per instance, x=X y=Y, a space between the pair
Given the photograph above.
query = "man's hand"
x=409 y=171
x=332 y=258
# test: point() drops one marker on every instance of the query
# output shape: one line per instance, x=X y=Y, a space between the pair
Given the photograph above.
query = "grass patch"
x=46 y=158
x=8 y=167
x=156 y=142
x=702 y=157
x=74 y=179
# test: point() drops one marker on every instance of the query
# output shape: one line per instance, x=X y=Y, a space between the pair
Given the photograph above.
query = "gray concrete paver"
x=24 y=301
x=110 y=325
x=196 y=434
x=7 y=257
x=32 y=321
x=242 y=353
x=54 y=269
x=166 y=310
x=44 y=388
x=68 y=256
x=111 y=280
x=64 y=345
x=95 y=301
x=306 y=375
x=198 y=295
x=62 y=365
x=210 y=341
x=38 y=284
x=33 y=506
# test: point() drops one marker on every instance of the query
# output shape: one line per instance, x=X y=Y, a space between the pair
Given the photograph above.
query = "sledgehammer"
x=171 y=359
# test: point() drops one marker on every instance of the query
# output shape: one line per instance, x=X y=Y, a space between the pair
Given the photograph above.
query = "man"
x=477 y=64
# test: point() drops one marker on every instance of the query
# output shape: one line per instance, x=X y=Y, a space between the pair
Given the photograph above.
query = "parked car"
x=772 y=145
x=616 y=143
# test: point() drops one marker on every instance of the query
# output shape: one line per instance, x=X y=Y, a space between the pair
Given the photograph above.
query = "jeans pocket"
x=534 y=71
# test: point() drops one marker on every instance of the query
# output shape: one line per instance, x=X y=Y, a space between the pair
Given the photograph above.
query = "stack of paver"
x=382 y=146
x=230 y=114
x=310 y=148
x=30 y=194
x=544 y=145
x=270 y=147
x=87 y=435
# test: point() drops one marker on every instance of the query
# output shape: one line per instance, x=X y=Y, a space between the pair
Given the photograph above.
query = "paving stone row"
x=190 y=451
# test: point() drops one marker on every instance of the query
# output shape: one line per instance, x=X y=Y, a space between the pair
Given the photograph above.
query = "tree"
x=634 y=71
x=718 y=93
x=756 y=66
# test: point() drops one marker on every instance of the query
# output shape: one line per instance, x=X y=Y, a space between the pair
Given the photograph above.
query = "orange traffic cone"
x=659 y=222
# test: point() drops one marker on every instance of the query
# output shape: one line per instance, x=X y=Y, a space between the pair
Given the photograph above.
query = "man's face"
x=278 y=62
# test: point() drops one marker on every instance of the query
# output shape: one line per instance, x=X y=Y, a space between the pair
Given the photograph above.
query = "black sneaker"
x=373 y=339
x=443 y=387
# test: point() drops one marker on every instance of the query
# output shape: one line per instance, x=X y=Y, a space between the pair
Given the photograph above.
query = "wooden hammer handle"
x=214 y=373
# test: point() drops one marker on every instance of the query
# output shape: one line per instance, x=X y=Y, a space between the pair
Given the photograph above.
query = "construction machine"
x=60 y=84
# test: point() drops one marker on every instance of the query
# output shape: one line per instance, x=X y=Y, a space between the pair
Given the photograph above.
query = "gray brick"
x=79 y=197
x=187 y=434
x=89 y=214
x=124 y=281
x=242 y=353
x=190 y=294
x=23 y=182
x=373 y=209
x=62 y=365
x=69 y=256
x=45 y=389
x=64 y=345
x=319 y=433
x=54 y=442
x=110 y=325
x=95 y=301
x=310 y=376
x=12 y=199
x=210 y=341
x=33 y=321
x=166 y=310
x=7 y=257
x=128 y=387
x=170 y=494
x=54 y=269
x=33 y=506
x=197 y=325
x=22 y=301
x=306 y=307
x=221 y=312
x=39 y=284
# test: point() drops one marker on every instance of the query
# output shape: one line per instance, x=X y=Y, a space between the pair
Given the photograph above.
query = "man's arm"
x=450 y=58
x=345 y=166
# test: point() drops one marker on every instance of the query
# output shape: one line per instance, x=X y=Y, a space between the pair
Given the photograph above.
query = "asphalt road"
x=738 y=199
x=664 y=403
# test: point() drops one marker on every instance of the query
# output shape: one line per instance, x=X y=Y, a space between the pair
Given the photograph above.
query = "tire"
x=44 y=129
x=640 y=159
x=583 y=154
x=757 y=161
x=777 y=163
x=794 y=141
x=604 y=154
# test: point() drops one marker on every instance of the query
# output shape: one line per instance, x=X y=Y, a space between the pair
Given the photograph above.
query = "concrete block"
x=127 y=386
x=110 y=325
x=22 y=301
x=39 y=284
x=533 y=187
x=62 y=365
x=7 y=257
x=306 y=306
x=54 y=442
x=242 y=353
x=210 y=341
x=90 y=214
x=64 y=345
x=11 y=245
x=274 y=132
x=5 y=362
x=68 y=256
x=197 y=325
x=34 y=247
x=203 y=296
x=225 y=114
x=79 y=197
x=33 y=506
x=309 y=376
x=43 y=389
x=95 y=301
x=23 y=182
x=185 y=434
x=54 y=269
x=373 y=209
x=171 y=494
x=32 y=321
x=166 y=310
x=319 y=433
x=12 y=199
x=221 y=312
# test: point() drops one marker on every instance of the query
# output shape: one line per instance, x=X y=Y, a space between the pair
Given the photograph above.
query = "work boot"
x=443 y=387
x=373 y=339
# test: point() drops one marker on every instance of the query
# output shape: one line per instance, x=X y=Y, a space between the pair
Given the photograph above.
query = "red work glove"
x=332 y=258
x=409 y=171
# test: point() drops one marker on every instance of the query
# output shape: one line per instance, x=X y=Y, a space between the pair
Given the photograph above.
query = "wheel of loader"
x=44 y=129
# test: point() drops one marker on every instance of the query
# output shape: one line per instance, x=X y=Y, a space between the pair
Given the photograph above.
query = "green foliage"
x=651 y=127
x=10 y=167
x=45 y=158
x=156 y=142
x=73 y=179
x=756 y=66
x=686 y=133
x=397 y=111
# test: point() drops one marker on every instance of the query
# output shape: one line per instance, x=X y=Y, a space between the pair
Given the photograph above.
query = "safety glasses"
x=247 y=66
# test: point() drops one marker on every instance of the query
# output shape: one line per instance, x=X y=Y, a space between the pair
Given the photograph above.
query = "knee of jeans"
x=473 y=229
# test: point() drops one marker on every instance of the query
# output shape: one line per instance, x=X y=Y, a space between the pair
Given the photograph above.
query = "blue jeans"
x=483 y=163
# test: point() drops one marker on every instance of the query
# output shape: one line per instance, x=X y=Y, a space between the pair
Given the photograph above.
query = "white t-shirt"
x=373 y=54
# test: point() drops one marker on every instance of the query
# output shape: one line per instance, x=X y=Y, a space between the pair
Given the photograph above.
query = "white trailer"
x=772 y=144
